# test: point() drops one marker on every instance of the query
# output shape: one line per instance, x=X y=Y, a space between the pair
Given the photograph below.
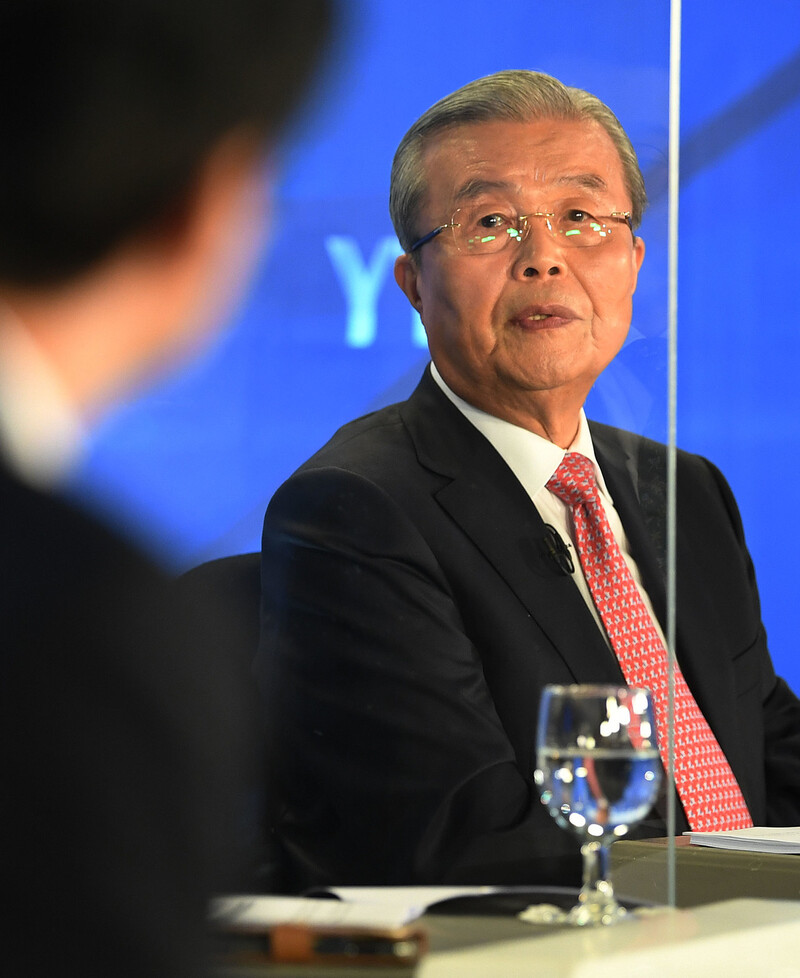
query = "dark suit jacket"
x=411 y=616
x=125 y=742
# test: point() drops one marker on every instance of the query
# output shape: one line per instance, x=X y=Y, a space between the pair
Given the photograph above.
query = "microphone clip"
x=558 y=551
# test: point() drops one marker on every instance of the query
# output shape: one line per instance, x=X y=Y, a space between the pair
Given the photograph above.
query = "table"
x=737 y=939
x=702 y=874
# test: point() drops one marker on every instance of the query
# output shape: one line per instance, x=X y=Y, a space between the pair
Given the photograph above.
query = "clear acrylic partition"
x=731 y=382
x=673 y=239
x=638 y=391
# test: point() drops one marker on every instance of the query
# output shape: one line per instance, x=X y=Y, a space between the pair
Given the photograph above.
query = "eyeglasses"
x=485 y=230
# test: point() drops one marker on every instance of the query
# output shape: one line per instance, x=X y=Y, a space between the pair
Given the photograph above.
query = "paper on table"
x=356 y=906
x=756 y=839
x=267 y=911
x=416 y=899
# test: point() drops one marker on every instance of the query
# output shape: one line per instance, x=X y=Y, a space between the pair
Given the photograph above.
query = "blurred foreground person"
x=133 y=140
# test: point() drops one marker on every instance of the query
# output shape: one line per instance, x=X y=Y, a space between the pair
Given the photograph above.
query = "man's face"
x=536 y=322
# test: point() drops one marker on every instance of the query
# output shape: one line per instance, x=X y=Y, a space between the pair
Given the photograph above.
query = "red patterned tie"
x=706 y=784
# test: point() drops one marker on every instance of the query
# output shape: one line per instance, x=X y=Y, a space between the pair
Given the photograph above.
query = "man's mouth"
x=555 y=315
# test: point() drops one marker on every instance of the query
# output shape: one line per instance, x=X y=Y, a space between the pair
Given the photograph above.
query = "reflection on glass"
x=598 y=772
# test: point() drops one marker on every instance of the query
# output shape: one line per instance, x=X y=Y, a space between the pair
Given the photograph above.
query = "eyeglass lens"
x=488 y=228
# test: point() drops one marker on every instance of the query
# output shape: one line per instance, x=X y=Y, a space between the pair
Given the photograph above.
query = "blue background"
x=324 y=334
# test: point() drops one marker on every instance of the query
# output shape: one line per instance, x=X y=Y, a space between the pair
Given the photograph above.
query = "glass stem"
x=596 y=879
x=596 y=903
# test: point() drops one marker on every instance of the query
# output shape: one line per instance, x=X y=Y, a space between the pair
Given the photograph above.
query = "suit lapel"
x=643 y=512
x=636 y=479
x=486 y=500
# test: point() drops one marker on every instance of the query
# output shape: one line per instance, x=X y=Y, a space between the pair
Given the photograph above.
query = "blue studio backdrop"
x=324 y=334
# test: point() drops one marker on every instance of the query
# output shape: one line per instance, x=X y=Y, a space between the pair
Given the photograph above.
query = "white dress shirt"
x=41 y=434
x=533 y=460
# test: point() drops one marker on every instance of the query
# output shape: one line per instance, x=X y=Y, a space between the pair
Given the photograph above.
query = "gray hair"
x=515 y=95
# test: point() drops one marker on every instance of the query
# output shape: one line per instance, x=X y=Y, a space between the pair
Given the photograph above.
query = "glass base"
x=596 y=906
x=580 y=915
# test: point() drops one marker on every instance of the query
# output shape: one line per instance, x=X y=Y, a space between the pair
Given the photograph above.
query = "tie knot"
x=574 y=481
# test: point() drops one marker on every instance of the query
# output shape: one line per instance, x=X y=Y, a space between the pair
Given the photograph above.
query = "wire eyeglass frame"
x=520 y=229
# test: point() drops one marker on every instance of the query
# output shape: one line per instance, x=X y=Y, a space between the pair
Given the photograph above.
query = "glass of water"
x=598 y=772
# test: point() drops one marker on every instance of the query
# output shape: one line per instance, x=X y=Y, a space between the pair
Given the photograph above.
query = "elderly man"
x=435 y=564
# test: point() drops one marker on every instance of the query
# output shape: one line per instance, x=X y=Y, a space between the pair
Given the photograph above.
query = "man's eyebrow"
x=477 y=187
x=588 y=181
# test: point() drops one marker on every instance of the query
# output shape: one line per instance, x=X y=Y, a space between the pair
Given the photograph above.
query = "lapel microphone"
x=558 y=551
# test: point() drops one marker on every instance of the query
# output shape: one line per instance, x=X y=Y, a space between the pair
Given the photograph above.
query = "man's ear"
x=406 y=274
x=638 y=257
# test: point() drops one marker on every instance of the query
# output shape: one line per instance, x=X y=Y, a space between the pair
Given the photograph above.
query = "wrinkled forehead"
x=522 y=160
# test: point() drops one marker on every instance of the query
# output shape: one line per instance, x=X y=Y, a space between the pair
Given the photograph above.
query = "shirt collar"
x=531 y=458
x=40 y=431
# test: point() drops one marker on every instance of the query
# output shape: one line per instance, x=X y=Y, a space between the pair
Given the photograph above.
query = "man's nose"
x=539 y=252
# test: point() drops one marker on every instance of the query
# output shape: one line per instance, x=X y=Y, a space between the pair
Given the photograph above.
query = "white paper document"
x=268 y=911
x=757 y=839
x=416 y=899
x=349 y=906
